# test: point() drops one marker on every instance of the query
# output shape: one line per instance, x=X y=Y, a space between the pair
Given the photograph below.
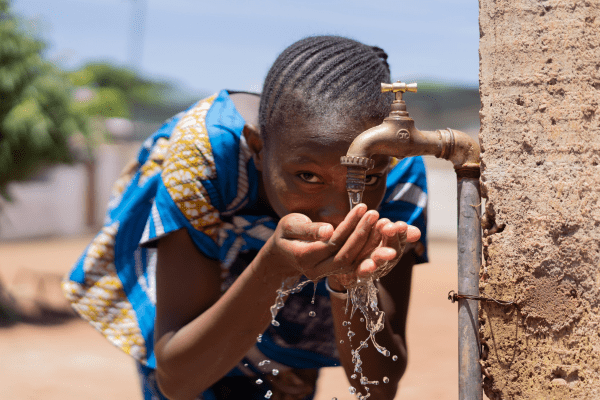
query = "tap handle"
x=398 y=87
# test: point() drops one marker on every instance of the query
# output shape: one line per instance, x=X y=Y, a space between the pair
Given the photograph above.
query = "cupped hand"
x=386 y=246
x=316 y=249
x=360 y=246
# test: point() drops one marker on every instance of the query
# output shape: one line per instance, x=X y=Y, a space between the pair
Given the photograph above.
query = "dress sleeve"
x=405 y=199
x=182 y=200
x=206 y=176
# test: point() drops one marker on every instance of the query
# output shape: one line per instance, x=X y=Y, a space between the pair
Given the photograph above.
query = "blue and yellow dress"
x=196 y=173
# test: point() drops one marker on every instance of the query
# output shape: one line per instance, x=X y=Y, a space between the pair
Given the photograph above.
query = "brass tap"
x=397 y=137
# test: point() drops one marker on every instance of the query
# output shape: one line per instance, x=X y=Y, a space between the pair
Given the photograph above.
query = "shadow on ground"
x=34 y=298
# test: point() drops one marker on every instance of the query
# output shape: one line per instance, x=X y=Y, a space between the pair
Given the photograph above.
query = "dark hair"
x=323 y=76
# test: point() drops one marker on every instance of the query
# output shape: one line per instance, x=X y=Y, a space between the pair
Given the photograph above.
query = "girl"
x=238 y=197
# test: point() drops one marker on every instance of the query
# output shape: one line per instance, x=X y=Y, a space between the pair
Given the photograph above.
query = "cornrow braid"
x=321 y=75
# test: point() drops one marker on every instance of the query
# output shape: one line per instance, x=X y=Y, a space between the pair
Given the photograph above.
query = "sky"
x=205 y=46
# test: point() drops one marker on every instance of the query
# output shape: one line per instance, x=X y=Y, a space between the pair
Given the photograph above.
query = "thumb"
x=300 y=227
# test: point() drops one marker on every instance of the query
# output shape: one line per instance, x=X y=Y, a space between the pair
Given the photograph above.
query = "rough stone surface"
x=540 y=137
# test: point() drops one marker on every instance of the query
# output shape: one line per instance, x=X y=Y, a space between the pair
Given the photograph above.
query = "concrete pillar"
x=540 y=137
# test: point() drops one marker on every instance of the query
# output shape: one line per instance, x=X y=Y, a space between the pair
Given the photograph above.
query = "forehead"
x=330 y=134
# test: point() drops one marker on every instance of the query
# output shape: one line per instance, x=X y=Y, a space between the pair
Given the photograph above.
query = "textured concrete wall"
x=540 y=136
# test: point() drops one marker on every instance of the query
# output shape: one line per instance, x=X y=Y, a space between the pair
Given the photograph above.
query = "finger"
x=380 y=257
x=357 y=240
x=413 y=234
x=394 y=228
x=374 y=239
x=346 y=227
x=300 y=227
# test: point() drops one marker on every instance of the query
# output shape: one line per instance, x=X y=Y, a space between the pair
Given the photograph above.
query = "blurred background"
x=84 y=82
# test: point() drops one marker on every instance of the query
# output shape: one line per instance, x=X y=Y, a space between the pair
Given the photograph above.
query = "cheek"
x=373 y=198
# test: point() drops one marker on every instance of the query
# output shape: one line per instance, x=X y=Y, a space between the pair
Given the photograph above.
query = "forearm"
x=197 y=355
x=375 y=366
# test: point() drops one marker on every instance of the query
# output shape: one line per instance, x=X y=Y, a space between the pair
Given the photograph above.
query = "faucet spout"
x=397 y=137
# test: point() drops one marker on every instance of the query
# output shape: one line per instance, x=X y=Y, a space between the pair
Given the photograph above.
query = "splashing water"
x=312 y=301
x=264 y=362
x=364 y=298
x=259 y=338
x=287 y=287
x=268 y=394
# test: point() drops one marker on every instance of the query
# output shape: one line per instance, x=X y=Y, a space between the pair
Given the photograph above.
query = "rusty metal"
x=454 y=297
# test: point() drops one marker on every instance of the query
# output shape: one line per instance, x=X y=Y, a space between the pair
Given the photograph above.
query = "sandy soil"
x=52 y=355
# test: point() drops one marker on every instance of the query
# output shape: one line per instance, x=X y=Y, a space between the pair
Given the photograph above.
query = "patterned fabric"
x=196 y=173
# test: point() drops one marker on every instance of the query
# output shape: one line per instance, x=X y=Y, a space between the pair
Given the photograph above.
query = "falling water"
x=364 y=298
x=355 y=198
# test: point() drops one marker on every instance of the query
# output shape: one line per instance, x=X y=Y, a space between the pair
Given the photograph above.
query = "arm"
x=200 y=335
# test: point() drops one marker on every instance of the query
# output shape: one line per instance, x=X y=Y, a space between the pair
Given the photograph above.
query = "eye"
x=372 y=180
x=309 y=178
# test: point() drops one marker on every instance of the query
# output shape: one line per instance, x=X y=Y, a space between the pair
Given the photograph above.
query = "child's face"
x=301 y=171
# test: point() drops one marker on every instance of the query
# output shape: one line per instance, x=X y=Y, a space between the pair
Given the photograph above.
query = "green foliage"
x=37 y=114
x=120 y=92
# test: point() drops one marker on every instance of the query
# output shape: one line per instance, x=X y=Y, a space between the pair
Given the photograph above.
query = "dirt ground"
x=52 y=355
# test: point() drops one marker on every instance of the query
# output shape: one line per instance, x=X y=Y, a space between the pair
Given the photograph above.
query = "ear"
x=255 y=143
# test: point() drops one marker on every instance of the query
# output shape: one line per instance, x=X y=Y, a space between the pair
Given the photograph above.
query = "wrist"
x=335 y=289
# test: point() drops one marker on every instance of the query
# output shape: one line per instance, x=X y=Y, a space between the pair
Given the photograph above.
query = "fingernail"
x=323 y=231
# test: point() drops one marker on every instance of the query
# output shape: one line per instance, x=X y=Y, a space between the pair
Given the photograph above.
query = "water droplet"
x=367 y=388
x=312 y=314
x=345 y=323
x=275 y=371
x=274 y=323
x=312 y=301
x=259 y=338
x=350 y=334
x=362 y=320
x=268 y=394
x=259 y=381
x=341 y=342
x=386 y=379
x=334 y=398
x=386 y=353
x=363 y=380
x=395 y=358
x=353 y=376
x=264 y=362
x=352 y=389
x=245 y=365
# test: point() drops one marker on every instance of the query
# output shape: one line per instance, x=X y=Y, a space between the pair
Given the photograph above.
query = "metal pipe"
x=469 y=262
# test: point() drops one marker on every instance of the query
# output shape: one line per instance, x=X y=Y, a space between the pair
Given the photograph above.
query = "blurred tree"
x=37 y=111
x=109 y=91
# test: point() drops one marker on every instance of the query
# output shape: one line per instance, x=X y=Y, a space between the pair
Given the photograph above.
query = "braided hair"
x=325 y=77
